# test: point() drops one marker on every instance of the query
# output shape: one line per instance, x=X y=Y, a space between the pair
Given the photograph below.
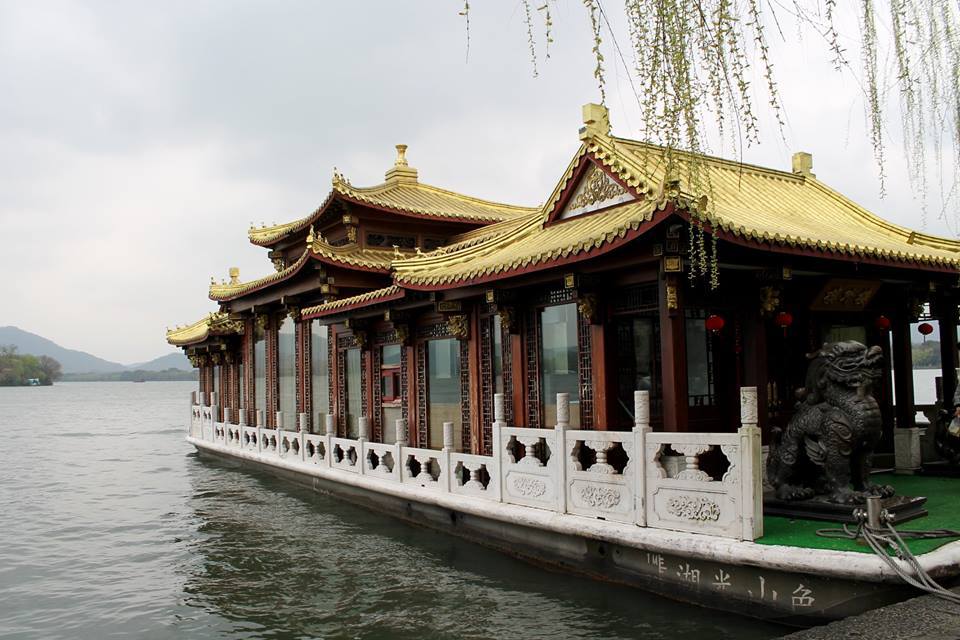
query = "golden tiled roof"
x=353 y=255
x=408 y=197
x=216 y=323
x=392 y=292
x=528 y=246
x=228 y=290
x=752 y=203
x=793 y=210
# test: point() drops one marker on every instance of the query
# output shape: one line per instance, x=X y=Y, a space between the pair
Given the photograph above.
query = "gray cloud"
x=138 y=140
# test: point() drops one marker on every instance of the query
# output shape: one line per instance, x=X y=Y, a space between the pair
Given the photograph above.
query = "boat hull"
x=758 y=590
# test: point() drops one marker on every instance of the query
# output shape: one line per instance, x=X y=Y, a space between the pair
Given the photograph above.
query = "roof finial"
x=401 y=171
x=596 y=120
x=310 y=237
x=803 y=164
x=234 y=275
x=401 y=155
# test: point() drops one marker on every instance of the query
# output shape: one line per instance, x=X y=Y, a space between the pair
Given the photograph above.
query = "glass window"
x=699 y=361
x=241 y=397
x=218 y=383
x=842 y=333
x=260 y=372
x=391 y=393
x=443 y=388
x=320 y=374
x=558 y=362
x=497 y=355
x=287 y=365
x=354 y=391
x=637 y=363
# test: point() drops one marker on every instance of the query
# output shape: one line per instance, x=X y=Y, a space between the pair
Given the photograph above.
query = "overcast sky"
x=139 y=140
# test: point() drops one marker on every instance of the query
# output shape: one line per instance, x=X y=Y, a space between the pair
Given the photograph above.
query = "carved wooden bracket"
x=459 y=326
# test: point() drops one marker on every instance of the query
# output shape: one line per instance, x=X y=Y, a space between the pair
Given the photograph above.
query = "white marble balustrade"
x=611 y=475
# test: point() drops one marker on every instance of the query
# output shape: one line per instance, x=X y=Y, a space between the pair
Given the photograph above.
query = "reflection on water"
x=113 y=526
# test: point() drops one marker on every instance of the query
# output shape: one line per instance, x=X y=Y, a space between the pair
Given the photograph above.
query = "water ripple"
x=113 y=527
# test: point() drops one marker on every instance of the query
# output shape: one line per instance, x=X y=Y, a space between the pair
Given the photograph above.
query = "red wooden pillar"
x=413 y=411
x=249 y=382
x=673 y=354
x=946 y=310
x=475 y=395
x=272 y=371
x=754 y=344
x=903 y=371
x=602 y=393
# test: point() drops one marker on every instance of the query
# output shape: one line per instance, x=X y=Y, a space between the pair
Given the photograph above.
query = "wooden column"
x=903 y=371
x=517 y=411
x=673 y=354
x=475 y=388
x=603 y=394
x=272 y=371
x=413 y=426
x=249 y=382
x=754 y=345
x=946 y=310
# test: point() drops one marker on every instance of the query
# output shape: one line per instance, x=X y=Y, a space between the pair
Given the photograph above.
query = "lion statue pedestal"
x=819 y=465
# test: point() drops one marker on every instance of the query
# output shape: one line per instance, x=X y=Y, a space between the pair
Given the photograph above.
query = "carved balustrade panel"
x=685 y=497
x=601 y=474
x=473 y=475
x=423 y=467
x=380 y=461
x=530 y=461
x=314 y=448
x=345 y=454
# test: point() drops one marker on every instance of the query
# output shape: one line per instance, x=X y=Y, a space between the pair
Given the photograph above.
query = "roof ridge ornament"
x=401 y=172
x=596 y=121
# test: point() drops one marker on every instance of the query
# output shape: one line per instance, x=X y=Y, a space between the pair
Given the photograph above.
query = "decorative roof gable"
x=596 y=190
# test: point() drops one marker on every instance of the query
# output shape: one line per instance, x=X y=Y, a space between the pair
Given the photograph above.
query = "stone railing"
x=621 y=476
x=726 y=503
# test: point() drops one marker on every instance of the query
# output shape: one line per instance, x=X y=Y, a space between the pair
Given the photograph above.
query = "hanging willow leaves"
x=693 y=62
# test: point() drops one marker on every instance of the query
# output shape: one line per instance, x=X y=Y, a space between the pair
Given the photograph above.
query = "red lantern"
x=925 y=329
x=883 y=323
x=715 y=323
x=783 y=320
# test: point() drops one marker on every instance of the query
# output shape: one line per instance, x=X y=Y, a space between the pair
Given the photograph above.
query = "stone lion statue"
x=826 y=449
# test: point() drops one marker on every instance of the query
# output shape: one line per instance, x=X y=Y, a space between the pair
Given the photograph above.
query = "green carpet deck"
x=943 y=503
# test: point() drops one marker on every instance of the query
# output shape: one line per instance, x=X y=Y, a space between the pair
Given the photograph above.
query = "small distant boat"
x=140 y=380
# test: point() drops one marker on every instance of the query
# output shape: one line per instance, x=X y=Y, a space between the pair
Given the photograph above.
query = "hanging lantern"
x=715 y=323
x=783 y=320
x=925 y=329
x=883 y=323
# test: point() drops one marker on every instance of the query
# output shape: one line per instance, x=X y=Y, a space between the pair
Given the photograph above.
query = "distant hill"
x=170 y=361
x=74 y=361
x=71 y=360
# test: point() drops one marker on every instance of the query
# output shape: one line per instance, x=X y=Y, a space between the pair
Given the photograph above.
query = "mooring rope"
x=888 y=538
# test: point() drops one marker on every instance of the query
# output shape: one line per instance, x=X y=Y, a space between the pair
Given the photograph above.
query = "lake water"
x=112 y=527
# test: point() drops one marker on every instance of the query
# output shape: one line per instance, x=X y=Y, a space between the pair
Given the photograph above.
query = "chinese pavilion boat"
x=561 y=383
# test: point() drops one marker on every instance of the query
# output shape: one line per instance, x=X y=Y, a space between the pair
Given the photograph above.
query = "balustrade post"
x=259 y=414
x=560 y=430
x=445 y=471
x=401 y=442
x=243 y=418
x=303 y=420
x=641 y=427
x=279 y=430
x=499 y=414
x=363 y=430
x=329 y=428
x=751 y=472
x=214 y=411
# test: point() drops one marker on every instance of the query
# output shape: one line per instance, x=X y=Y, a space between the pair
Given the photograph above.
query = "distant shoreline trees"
x=21 y=370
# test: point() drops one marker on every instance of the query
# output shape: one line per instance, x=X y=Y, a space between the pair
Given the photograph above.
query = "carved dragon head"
x=848 y=364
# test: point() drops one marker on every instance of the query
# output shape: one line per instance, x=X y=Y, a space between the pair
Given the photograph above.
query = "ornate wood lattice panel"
x=465 y=394
x=332 y=405
x=422 y=435
x=508 y=375
x=306 y=364
x=273 y=370
x=404 y=385
x=249 y=384
x=486 y=384
x=377 y=417
x=585 y=371
x=532 y=346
